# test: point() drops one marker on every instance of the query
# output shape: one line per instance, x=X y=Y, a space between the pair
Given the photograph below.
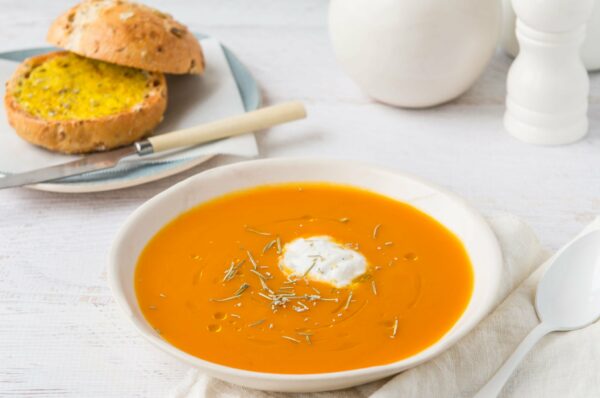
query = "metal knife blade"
x=96 y=161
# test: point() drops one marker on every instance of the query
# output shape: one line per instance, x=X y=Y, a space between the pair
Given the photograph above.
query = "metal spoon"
x=567 y=298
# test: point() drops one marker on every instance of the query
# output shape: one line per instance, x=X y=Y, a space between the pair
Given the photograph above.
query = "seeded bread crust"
x=85 y=135
x=129 y=34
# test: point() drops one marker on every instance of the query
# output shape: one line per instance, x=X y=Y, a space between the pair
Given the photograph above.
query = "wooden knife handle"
x=251 y=121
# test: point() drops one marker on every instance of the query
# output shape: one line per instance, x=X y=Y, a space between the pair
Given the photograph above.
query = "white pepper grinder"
x=547 y=84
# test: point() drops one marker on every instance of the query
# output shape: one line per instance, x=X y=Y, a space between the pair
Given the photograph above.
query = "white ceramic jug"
x=590 y=51
x=414 y=53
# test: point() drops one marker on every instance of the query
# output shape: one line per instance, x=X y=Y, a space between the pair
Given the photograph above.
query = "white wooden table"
x=61 y=334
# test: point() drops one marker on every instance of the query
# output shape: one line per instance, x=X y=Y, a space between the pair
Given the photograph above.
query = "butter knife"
x=240 y=124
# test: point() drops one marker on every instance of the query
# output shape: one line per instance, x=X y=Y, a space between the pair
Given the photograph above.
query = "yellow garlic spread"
x=71 y=87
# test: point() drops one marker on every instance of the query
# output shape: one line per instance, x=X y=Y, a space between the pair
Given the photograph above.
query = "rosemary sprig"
x=314 y=262
x=307 y=336
x=256 y=231
x=376 y=231
x=268 y=246
x=252 y=260
x=257 y=323
x=261 y=294
x=395 y=328
x=286 y=290
x=264 y=285
x=232 y=270
x=313 y=297
x=348 y=301
x=260 y=276
x=235 y=295
x=301 y=307
x=291 y=339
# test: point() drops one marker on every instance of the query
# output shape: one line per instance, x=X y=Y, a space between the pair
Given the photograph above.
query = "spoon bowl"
x=568 y=296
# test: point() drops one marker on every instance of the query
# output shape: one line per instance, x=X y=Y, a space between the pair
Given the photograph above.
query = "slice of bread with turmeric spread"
x=129 y=34
x=72 y=104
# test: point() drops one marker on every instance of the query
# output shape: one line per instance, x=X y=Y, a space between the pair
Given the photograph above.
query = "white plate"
x=451 y=211
x=244 y=91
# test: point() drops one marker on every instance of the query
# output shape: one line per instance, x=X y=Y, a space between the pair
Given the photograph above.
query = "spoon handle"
x=496 y=383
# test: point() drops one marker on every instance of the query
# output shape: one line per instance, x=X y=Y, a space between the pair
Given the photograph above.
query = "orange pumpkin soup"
x=303 y=278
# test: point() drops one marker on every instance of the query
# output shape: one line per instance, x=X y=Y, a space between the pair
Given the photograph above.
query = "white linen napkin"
x=193 y=100
x=561 y=365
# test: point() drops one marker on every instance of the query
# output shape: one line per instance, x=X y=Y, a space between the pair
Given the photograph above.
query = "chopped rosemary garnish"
x=255 y=231
x=316 y=290
x=282 y=299
x=257 y=323
x=344 y=219
x=376 y=231
x=388 y=244
x=374 y=288
x=235 y=315
x=291 y=339
x=235 y=295
x=348 y=301
x=278 y=242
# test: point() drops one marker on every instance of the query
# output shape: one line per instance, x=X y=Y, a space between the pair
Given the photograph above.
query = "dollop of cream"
x=322 y=259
